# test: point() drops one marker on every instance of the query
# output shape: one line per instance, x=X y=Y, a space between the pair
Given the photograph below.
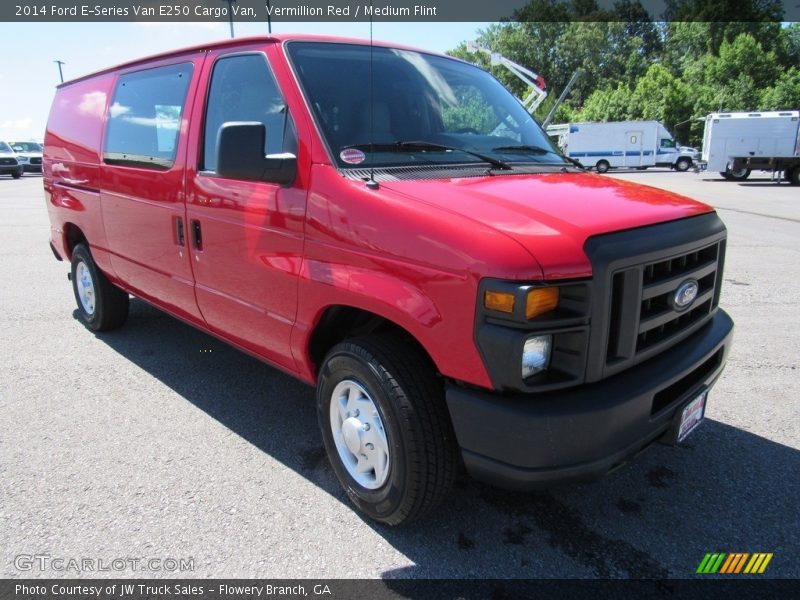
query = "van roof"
x=232 y=43
x=754 y=114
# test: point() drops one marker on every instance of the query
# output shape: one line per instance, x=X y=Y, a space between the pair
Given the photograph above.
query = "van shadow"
x=725 y=491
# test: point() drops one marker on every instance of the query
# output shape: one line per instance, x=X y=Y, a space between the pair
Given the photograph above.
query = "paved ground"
x=141 y=443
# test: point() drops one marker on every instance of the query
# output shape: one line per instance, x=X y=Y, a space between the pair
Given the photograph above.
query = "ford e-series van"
x=393 y=227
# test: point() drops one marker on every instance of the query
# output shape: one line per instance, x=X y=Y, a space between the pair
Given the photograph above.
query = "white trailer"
x=632 y=144
x=737 y=143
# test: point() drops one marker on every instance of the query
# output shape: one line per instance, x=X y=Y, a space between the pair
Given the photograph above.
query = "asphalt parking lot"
x=157 y=441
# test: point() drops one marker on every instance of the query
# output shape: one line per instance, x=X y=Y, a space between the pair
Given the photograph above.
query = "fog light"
x=536 y=354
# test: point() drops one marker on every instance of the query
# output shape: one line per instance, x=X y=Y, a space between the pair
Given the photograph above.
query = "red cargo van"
x=393 y=227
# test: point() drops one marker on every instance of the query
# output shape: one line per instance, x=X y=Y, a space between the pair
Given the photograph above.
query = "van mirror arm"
x=240 y=155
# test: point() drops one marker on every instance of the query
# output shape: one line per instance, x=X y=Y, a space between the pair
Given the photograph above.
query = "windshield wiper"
x=411 y=146
x=526 y=149
x=523 y=149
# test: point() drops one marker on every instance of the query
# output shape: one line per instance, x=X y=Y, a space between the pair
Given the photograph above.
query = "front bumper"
x=526 y=441
x=8 y=169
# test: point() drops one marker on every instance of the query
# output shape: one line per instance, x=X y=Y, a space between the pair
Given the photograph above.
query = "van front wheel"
x=101 y=304
x=386 y=428
x=602 y=166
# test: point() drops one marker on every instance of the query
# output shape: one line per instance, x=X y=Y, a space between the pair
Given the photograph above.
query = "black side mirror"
x=240 y=155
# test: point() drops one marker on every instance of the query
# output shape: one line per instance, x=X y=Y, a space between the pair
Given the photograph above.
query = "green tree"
x=661 y=96
x=607 y=105
x=785 y=94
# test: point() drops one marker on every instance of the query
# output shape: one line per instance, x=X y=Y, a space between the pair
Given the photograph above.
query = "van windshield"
x=26 y=146
x=425 y=109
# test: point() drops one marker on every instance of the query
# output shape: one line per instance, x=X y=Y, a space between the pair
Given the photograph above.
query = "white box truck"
x=737 y=143
x=614 y=144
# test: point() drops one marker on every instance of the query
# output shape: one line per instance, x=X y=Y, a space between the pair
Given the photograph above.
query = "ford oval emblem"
x=685 y=294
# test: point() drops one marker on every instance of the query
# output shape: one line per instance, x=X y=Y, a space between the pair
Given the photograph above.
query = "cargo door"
x=143 y=187
x=634 y=145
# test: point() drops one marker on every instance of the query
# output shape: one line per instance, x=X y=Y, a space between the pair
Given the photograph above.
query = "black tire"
x=423 y=454
x=110 y=302
x=725 y=175
x=793 y=176
x=683 y=164
x=16 y=174
x=740 y=175
x=602 y=166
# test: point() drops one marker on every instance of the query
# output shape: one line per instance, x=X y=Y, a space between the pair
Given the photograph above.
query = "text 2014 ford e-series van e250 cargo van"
x=393 y=227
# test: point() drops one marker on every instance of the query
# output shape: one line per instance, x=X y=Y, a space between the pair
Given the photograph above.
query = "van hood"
x=553 y=214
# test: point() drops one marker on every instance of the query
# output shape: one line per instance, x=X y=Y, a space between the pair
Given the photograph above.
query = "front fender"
x=415 y=301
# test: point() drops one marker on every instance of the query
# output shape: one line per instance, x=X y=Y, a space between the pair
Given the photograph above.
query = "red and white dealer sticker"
x=352 y=156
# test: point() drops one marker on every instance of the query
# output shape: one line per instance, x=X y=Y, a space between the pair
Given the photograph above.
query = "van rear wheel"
x=602 y=166
x=101 y=305
x=386 y=428
x=793 y=176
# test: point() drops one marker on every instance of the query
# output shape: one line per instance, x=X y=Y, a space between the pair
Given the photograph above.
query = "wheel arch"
x=339 y=322
x=73 y=235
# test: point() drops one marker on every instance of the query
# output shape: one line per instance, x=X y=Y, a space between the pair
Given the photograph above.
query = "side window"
x=243 y=89
x=145 y=116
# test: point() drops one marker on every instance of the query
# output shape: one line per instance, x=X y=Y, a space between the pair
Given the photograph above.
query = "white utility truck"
x=738 y=142
x=613 y=144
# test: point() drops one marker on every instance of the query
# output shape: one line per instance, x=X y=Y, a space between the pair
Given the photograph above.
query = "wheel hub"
x=351 y=429
x=85 y=285
x=359 y=435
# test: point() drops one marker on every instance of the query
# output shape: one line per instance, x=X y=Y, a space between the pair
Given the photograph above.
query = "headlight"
x=536 y=354
x=537 y=300
x=540 y=301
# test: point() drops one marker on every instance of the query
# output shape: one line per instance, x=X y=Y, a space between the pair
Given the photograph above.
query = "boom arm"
x=531 y=79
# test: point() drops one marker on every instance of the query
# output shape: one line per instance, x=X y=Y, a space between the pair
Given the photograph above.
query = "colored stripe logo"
x=734 y=563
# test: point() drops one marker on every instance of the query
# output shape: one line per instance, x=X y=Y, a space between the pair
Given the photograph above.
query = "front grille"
x=8 y=161
x=635 y=276
x=36 y=160
x=644 y=317
x=658 y=318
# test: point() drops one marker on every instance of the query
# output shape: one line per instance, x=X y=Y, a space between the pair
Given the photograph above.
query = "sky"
x=28 y=75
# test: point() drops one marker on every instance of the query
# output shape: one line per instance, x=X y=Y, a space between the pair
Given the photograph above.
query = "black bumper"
x=527 y=441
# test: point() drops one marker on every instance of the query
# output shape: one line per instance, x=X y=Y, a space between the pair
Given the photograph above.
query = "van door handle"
x=180 y=237
x=197 y=235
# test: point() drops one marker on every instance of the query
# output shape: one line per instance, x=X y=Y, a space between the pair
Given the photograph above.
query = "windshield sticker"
x=352 y=156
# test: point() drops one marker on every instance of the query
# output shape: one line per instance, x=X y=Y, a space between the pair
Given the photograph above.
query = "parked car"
x=9 y=162
x=29 y=155
x=458 y=291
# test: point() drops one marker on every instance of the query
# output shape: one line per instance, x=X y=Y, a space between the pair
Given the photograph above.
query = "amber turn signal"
x=499 y=301
x=540 y=301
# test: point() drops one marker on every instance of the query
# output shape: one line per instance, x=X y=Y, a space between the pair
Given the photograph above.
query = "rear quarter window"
x=145 y=115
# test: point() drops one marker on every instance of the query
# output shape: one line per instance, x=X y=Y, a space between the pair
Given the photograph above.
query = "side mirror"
x=240 y=155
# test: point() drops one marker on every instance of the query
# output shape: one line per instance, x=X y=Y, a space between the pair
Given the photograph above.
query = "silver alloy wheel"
x=85 y=284
x=359 y=435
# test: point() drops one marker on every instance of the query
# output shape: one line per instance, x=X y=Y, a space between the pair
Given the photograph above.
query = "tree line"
x=693 y=63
